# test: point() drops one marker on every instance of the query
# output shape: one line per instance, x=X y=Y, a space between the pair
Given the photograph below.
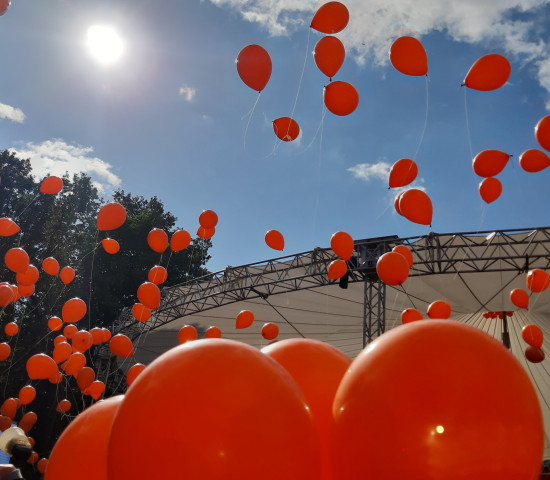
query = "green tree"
x=63 y=226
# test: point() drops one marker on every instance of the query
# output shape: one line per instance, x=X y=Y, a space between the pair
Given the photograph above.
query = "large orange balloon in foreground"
x=317 y=368
x=332 y=17
x=341 y=98
x=254 y=67
x=407 y=55
x=111 y=216
x=242 y=414
x=416 y=390
x=416 y=206
x=488 y=73
x=329 y=54
x=81 y=450
x=286 y=128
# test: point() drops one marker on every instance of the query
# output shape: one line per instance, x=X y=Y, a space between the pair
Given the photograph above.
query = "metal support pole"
x=374 y=310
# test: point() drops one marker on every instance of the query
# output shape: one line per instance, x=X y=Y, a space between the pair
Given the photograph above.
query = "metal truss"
x=454 y=253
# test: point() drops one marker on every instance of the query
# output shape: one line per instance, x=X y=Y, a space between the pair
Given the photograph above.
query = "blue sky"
x=169 y=118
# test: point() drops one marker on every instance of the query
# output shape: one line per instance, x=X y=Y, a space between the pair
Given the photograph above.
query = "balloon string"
x=425 y=119
x=319 y=127
x=32 y=201
x=408 y=296
x=301 y=79
x=249 y=114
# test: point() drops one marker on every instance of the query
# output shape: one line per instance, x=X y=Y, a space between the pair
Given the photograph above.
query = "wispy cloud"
x=371 y=171
x=188 y=93
x=56 y=157
x=11 y=113
x=508 y=25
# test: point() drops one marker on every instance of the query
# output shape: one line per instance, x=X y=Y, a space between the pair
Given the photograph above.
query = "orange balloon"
x=411 y=315
x=149 y=295
x=392 y=268
x=403 y=172
x=17 y=260
x=537 y=280
x=426 y=364
x=208 y=219
x=406 y=252
x=490 y=189
x=532 y=335
x=407 y=55
x=55 y=324
x=416 y=206
x=25 y=290
x=73 y=310
x=342 y=245
x=111 y=216
x=534 y=160
x=62 y=352
x=121 y=346
x=157 y=275
x=15 y=291
x=85 y=377
x=133 y=373
x=110 y=245
x=27 y=394
x=42 y=465
x=5 y=351
x=41 y=366
x=75 y=363
x=341 y=98
x=275 y=240
x=33 y=458
x=286 y=129
x=95 y=390
x=254 y=67
x=490 y=163
x=70 y=330
x=29 y=276
x=245 y=318
x=158 y=240
x=97 y=335
x=317 y=368
x=213 y=332
x=270 y=331
x=206 y=232
x=329 y=54
x=140 y=312
x=60 y=339
x=51 y=266
x=8 y=227
x=63 y=406
x=82 y=341
x=534 y=354
x=11 y=329
x=27 y=421
x=4 y=5
x=519 y=298
x=213 y=446
x=6 y=295
x=9 y=408
x=439 y=310
x=337 y=269
x=51 y=185
x=488 y=73
x=187 y=333
x=542 y=132
x=67 y=275
x=81 y=450
x=106 y=334
x=180 y=240
x=332 y=17
x=56 y=379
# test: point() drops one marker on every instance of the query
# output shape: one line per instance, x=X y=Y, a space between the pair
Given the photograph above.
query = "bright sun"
x=104 y=44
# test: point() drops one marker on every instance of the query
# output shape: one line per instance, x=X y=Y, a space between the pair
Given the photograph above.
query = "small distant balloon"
x=51 y=185
x=490 y=163
x=286 y=128
x=254 y=67
x=332 y=17
x=542 y=132
x=403 y=172
x=490 y=189
x=341 y=98
x=488 y=73
x=111 y=216
x=329 y=54
x=4 y=5
x=275 y=240
x=534 y=160
x=407 y=55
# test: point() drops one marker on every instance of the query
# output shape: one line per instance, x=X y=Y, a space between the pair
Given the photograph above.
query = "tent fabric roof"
x=480 y=271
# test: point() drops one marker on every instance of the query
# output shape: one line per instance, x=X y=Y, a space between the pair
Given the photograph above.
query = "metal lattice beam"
x=455 y=253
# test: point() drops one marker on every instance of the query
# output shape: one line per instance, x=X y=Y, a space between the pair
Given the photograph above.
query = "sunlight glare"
x=104 y=44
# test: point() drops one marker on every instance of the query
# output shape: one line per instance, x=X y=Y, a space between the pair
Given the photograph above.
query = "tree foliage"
x=63 y=226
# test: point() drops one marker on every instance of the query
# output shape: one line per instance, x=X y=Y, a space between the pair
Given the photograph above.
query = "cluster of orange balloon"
x=488 y=164
x=437 y=310
x=342 y=245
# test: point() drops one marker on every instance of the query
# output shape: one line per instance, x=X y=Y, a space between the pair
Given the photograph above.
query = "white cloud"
x=370 y=171
x=188 y=92
x=56 y=157
x=11 y=113
x=374 y=24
